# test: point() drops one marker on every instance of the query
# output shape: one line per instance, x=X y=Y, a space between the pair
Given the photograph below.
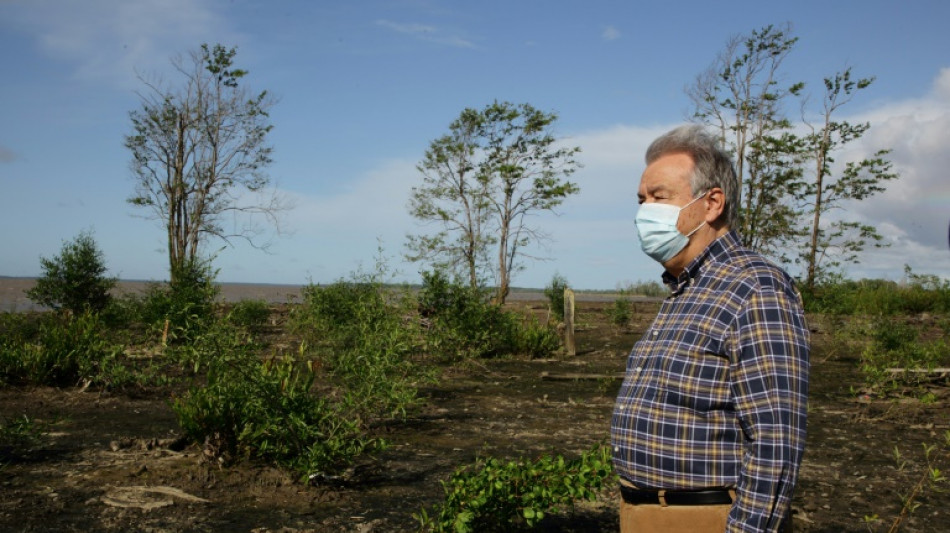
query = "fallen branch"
x=935 y=371
x=147 y=498
x=571 y=376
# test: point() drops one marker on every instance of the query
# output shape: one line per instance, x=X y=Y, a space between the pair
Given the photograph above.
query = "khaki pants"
x=654 y=518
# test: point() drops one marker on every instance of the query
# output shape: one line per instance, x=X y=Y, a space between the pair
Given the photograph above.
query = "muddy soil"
x=114 y=462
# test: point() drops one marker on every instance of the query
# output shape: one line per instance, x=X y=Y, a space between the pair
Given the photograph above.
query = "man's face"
x=666 y=181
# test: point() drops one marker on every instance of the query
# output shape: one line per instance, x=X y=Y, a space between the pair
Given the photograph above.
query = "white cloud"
x=109 y=39
x=913 y=212
x=610 y=33
x=334 y=234
x=942 y=84
x=427 y=33
x=372 y=202
x=613 y=162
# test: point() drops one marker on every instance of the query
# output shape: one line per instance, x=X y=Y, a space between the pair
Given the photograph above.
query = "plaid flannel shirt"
x=715 y=392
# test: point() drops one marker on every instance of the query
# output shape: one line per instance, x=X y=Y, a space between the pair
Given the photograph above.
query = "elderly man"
x=709 y=426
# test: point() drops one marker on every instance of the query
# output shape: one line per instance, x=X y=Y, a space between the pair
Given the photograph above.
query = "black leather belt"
x=675 y=497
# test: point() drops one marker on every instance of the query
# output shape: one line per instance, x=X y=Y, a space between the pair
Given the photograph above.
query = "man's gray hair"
x=712 y=165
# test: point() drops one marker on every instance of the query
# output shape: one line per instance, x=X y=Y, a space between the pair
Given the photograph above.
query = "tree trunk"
x=502 y=294
x=816 y=220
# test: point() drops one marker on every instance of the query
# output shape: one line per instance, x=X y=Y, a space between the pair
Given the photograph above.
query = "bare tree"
x=198 y=156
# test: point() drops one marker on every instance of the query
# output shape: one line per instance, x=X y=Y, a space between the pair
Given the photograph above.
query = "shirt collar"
x=717 y=250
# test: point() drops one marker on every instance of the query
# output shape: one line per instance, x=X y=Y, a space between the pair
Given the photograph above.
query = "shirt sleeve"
x=769 y=370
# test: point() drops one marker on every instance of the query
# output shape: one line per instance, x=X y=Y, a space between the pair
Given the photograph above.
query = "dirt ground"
x=114 y=463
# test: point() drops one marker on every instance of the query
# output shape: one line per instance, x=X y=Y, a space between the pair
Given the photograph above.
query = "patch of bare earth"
x=116 y=463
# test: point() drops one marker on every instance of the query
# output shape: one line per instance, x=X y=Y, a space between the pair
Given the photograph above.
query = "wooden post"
x=165 y=333
x=569 y=346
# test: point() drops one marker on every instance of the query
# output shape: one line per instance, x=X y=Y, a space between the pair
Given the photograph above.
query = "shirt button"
x=638 y=369
x=655 y=333
x=616 y=448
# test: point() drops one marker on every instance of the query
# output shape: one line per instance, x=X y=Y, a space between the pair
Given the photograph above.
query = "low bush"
x=74 y=280
x=269 y=410
x=652 y=289
x=18 y=437
x=365 y=337
x=251 y=314
x=620 y=312
x=895 y=345
x=555 y=295
x=20 y=327
x=311 y=413
x=463 y=323
x=186 y=305
x=536 y=339
x=497 y=495
x=920 y=294
x=64 y=350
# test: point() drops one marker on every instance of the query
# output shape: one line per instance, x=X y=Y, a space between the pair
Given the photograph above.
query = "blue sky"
x=365 y=86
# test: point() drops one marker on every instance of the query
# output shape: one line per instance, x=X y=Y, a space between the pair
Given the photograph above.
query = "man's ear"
x=715 y=204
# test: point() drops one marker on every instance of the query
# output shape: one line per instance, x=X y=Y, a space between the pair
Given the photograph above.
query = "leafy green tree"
x=481 y=182
x=198 y=155
x=741 y=95
x=786 y=170
x=838 y=241
x=453 y=195
x=75 y=279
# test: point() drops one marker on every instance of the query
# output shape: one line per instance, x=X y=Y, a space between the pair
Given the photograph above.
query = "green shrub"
x=18 y=436
x=125 y=312
x=187 y=304
x=462 y=322
x=496 y=495
x=251 y=314
x=837 y=296
x=620 y=311
x=335 y=312
x=273 y=410
x=896 y=345
x=219 y=345
x=653 y=289
x=20 y=327
x=555 y=295
x=365 y=337
x=268 y=410
x=64 y=351
x=75 y=279
x=536 y=339
x=265 y=409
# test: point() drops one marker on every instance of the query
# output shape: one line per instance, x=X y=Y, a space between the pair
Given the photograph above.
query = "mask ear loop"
x=701 y=224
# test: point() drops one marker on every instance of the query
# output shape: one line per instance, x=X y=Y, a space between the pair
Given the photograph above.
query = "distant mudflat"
x=13 y=293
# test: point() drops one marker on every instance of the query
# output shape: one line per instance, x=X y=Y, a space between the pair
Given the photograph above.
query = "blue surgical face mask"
x=656 y=226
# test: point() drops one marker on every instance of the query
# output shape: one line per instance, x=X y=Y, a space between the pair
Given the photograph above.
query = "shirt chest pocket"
x=697 y=380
